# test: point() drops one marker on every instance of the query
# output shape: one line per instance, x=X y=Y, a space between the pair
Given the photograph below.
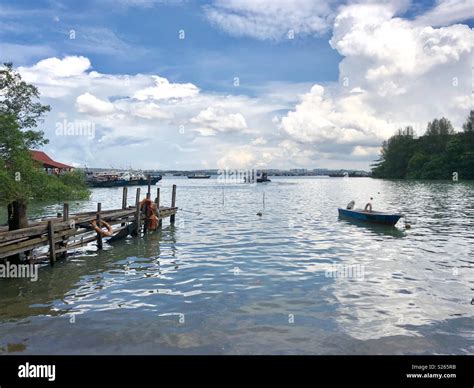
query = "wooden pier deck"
x=54 y=238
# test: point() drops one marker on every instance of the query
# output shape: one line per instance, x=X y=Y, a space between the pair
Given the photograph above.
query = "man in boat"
x=368 y=206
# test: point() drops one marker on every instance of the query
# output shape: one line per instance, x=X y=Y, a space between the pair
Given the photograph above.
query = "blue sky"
x=207 y=56
x=277 y=109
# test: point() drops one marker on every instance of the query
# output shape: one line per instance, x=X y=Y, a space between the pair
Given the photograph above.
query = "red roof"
x=41 y=157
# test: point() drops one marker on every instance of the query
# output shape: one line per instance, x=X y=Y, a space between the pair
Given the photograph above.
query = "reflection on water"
x=229 y=281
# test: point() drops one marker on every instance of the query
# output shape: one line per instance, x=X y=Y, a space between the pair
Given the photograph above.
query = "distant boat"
x=120 y=179
x=199 y=176
x=263 y=177
x=372 y=216
x=260 y=178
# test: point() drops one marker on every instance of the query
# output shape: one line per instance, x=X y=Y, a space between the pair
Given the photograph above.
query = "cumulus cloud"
x=273 y=20
x=246 y=157
x=322 y=119
x=214 y=120
x=89 y=104
x=394 y=73
x=446 y=12
x=390 y=46
x=130 y=111
x=163 y=89
x=54 y=67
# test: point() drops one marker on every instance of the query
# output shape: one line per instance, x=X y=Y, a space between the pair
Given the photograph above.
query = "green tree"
x=395 y=155
x=18 y=99
x=20 y=177
x=436 y=155
x=468 y=126
x=442 y=127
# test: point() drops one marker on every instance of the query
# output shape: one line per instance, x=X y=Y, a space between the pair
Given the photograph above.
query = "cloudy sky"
x=239 y=83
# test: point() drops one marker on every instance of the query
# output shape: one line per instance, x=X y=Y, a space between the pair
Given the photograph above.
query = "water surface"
x=223 y=280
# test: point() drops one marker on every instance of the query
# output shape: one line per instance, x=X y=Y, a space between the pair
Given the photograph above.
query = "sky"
x=163 y=84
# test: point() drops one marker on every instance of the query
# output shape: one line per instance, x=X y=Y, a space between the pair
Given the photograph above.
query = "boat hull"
x=373 y=217
x=121 y=183
x=199 y=177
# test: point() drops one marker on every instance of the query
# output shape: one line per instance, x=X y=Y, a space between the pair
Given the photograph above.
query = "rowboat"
x=371 y=216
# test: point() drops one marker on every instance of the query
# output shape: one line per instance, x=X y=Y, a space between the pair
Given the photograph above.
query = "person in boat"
x=350 y=205
x=368 y=206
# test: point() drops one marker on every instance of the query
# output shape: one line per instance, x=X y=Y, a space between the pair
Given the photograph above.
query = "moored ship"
x=114 y=179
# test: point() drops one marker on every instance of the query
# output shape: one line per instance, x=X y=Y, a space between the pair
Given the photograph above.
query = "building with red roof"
x=50 y=165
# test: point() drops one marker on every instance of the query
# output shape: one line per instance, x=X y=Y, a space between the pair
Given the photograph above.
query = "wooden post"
x=97 y=220
x=124 y=200
x=157 y=199
x=52 y=248
x=145 y=209
x=63 y=243
x=65 y=212
x=173 y=203
x=17 y=218
x=157 y=202
x=136 y=232
x=124 y=197
x=148 y=193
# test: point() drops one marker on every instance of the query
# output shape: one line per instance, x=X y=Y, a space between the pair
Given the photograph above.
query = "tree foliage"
x=437 y=154
x=21 y=178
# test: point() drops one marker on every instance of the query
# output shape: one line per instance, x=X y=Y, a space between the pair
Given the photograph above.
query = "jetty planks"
x=56 y=236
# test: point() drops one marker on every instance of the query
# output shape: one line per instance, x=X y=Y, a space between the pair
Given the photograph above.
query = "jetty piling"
x=173 y=202
x=53 y=238
x=124 y=197
x=52 y=247
x=157 y=202
x=98 y=221
x=136 y=232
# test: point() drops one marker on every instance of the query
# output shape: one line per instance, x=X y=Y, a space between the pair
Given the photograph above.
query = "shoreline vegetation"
x=21 y=178
x=441 y=153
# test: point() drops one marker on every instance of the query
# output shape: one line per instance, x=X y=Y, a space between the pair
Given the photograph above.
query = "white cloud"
x=149 y=111
x=91 y=105
x=259 y=141
x=263 y=19
x=58 y=68
x=390 y=46
x=163 y=89
x=345 y=120
x=246 y=157
x=394 y=73
x=447 y=12
x=365 y=151
x=214 y=120
x=139 y=114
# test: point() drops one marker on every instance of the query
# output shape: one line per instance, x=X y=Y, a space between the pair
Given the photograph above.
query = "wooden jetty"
x=54 y=238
